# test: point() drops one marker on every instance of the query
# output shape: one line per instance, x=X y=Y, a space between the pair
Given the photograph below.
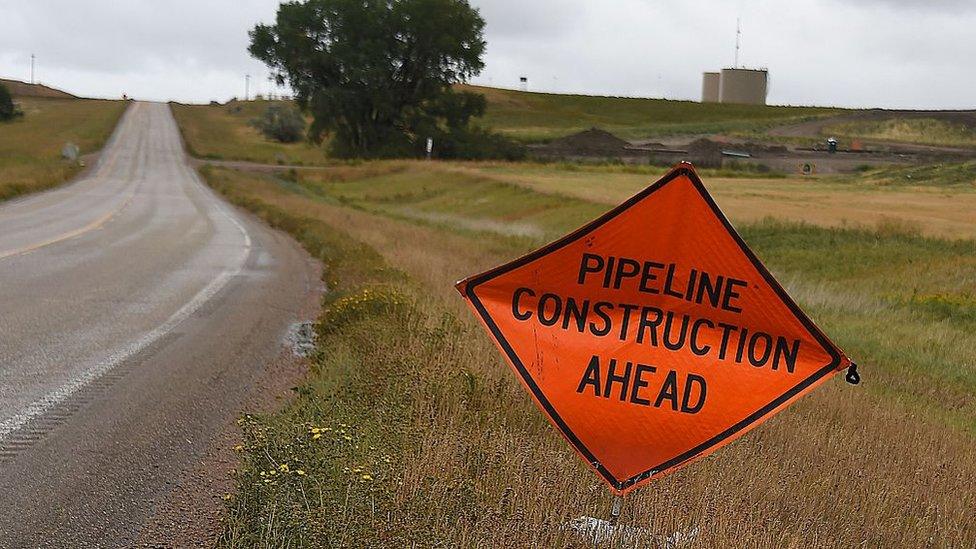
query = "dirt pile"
x=705 y=153
x=591 y=142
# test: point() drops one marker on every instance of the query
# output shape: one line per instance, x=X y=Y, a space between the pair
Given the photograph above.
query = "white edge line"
x=62 y=393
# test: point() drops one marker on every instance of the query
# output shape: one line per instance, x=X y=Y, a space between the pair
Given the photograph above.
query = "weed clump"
x=281 y=123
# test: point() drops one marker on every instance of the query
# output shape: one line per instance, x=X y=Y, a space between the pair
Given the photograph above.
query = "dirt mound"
x=705 y=153
x=589 y=142
x=23 y=89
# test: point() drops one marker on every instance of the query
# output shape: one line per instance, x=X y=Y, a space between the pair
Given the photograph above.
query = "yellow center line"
x=70 y=234
x=104 y=169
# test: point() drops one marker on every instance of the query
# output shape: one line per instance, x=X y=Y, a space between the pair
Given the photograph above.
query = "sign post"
x=653 y=336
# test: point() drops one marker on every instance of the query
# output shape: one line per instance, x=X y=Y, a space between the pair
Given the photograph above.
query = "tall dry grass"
x=416 y=398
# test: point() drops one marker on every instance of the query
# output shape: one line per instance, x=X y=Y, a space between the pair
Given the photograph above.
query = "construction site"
x=804 y=146
x=778 y=152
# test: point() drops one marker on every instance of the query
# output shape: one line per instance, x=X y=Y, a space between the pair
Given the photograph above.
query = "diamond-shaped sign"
x=652 y=336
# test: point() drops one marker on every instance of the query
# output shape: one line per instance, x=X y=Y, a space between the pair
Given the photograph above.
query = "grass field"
x=915 y=196
x=30 y=146
x=410 y=431
x=933 y=200
x=924 y=131
x=224 y=132
x=542 y=116
x=931 y=175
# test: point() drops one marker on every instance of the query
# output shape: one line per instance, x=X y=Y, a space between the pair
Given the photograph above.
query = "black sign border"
x=687 y=170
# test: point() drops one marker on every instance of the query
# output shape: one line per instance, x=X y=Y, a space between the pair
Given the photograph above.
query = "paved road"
x=136 y=311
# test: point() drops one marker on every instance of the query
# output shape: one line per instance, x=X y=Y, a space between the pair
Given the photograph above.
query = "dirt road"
x=138 y=311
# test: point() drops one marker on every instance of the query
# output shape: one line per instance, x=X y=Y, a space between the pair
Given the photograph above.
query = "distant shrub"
x=8 y=110
x=282 y=123
x=474 y=143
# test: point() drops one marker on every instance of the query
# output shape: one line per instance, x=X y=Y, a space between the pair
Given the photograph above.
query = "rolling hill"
x=23 y=89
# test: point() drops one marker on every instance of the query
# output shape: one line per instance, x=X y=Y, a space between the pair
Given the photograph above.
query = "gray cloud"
x=917 y=5
x=892 y=53
x=535 y=19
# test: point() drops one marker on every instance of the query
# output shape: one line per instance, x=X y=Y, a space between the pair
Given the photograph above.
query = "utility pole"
x=738 y=35
x=32 y=69
x=247 y=87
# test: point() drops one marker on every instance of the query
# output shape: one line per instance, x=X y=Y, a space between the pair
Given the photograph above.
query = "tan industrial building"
x=742 y=86
x=710 y=87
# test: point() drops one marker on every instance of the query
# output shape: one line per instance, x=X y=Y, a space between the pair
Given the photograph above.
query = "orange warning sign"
x=652 y=336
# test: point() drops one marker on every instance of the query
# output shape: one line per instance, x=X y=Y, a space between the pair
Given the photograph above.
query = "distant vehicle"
x=831 y=145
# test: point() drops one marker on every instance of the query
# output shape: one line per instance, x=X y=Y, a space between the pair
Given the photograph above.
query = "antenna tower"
x=738 y=35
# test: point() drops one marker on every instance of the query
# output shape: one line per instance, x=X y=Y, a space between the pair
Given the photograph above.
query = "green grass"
x=923 y=131
x=952 y=174
x=224 y=132
x=30 y=146
x=542 y=116
x=410 y=432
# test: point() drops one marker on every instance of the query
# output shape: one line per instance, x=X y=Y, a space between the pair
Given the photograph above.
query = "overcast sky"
x=887 y=53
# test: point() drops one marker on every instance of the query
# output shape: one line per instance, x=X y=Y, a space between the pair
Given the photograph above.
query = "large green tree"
x=377 y=75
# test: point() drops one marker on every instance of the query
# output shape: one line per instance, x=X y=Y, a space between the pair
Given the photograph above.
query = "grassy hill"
x=30 y=146
x=23 y=89
x=542 y=116
x=922 y=131
x=224 y=131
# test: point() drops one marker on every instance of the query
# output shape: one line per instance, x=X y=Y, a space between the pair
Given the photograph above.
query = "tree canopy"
x=377 y=75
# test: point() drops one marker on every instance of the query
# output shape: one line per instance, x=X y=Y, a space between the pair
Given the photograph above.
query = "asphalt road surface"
x=137 y=310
